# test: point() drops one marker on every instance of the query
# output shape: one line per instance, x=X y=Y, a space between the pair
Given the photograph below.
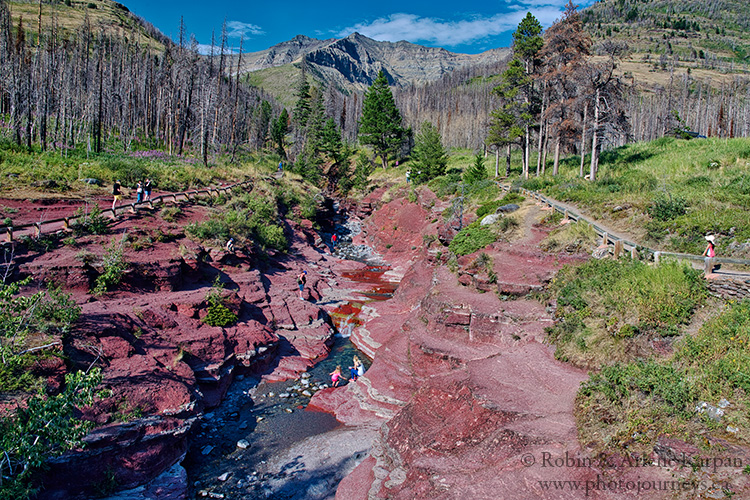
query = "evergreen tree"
x=380 y=125
x=304 y=99
x=508 y=123
x=527 y=43
x=429 y=157
x=477 y=172
x=279 y=128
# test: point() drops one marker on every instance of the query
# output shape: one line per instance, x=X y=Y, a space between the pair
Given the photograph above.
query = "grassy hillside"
x=279 y=82
x=668 y=193
x=113 y=17
x=711 y=38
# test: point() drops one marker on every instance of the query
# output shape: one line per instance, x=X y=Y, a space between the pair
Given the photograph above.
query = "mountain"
x=353 y=63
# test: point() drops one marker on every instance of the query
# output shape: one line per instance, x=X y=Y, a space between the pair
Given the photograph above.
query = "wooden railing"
x=620 y=244
x=38 y=228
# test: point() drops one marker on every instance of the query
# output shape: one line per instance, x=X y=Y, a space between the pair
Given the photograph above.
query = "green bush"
x=114 y=266
x=90 y=221
x=246 y=216
x=667 y=208
x=472 y=238
x=218 y=314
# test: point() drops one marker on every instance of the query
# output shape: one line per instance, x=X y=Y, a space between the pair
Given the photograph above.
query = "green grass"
x=627 y=406
x=608 y=309
x=20 y=170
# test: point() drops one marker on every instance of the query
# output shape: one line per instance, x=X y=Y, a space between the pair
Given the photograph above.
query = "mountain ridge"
x=352 y=63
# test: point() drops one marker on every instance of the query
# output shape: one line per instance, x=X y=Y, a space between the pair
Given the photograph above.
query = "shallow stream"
x=259 y=422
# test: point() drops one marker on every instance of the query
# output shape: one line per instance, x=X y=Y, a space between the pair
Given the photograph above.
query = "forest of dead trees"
x=94 y=88
x=58 y=92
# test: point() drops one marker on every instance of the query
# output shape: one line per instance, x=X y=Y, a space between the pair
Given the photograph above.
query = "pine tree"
x=527 y=42
x=477 y=172
x=279 y=128
x=302 y=108
x=380 y=125
x=429 y=157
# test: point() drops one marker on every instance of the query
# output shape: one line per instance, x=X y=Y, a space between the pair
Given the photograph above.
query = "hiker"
x=709 y=253
x=334 y=238
x=353 y=373
x=301 y=280
x=147 y=190
x=408 y=176
x=139 y=192
x=230 y=245
x=281 y=166
x=336 y=376
x=117 y=193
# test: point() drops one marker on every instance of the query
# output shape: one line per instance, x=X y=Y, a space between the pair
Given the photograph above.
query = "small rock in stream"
x=284 y=395
x=307 y=393
x=305 y=375
x=289 y=410
x=224 y=477
x=243 y=444
x=259 y=419
x=243 y=426
x=207 y=449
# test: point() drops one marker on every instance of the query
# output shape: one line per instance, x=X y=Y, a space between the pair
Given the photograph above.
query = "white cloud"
x=205 y=49
x=414 y=28
x=238 y=29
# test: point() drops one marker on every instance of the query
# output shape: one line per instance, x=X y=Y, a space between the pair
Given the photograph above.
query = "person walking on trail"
x=301 y=280
x=334 y=239
x=117 y=193
x=709 y=253
x=139 y=192
x=147 y=190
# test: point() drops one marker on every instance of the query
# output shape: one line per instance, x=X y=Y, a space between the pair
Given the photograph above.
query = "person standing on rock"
x=301 y=280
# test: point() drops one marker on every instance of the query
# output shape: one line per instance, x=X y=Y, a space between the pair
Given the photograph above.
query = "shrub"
x=90 y=221
x=114 y=266
x=218 y=313
x=667 y=208
x=171 y=214
x=472 y=238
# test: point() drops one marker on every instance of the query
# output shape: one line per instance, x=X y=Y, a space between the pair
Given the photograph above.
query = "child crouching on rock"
x=336 y=376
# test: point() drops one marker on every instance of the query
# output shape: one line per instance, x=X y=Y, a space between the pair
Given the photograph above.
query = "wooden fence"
x=622 y=245
x=38 y=228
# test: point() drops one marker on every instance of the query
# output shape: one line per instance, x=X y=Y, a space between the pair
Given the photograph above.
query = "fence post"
x=565 y=214
x=657 y=257
x=634 y=253
x=605 y=238
x=38 y=229
x=618 y=249
x=66 y=223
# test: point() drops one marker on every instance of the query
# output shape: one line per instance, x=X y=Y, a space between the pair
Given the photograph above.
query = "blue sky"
x=468 y=26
